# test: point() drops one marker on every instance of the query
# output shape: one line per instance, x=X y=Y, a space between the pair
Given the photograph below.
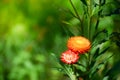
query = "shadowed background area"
x=31 y=30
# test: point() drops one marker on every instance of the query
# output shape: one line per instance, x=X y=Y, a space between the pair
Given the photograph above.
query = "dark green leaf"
x=106 y=69
x=104 y=31
x=102 y=2
x=96 y=53
x=95 y=56
x=69 y=11
x=111 y=8
x=118 y=43
x=115 y=70
x=115 y=34
x=95 y=43
x=67 y=30
x=102 y=52
x=100 y=37
x=115 y=37
x=97 y=67
x=80 y=67
x=84 y=2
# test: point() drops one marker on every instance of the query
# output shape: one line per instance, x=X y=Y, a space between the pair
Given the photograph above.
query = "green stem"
x=73 y=77
x=89 y=25
x=77 y=15
x=75 y=10
x=89 y=6
x=70 y=73
x=89 y=19
x=99 y=14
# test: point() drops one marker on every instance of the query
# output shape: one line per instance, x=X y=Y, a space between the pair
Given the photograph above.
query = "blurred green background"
x=31 y=30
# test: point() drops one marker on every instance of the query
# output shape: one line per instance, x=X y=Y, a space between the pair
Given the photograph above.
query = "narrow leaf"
x=102 y=52
x=118 y=43
x=97 y=67
x=96 y=53
x=84 y=2
x=104 y=31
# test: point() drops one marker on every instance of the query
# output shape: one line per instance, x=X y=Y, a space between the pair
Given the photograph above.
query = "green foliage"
x=30 y=30
x=95 y=22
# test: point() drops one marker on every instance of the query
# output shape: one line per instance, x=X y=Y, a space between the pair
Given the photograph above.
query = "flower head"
x=79 y=44
x=69 y=57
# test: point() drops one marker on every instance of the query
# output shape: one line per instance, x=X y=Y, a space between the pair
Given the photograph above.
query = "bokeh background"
x=32 y=30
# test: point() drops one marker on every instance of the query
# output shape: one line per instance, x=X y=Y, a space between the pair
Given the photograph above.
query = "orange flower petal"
x=79 y=44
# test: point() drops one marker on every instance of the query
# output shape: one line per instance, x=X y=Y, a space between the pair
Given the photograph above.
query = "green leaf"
x=104 y=31
x=100 y=37
x=106 y=69
x=97 y=1
x=69 y=11
x=102 y=2
x=115 y=37
x=67 y=31
x=80 y=67
x=84 y=2
x=113 y=72
x=95 y=10
x=118 y=43
x=105 y=78
x=55 y=57
x=59 y=69
x=57 y=60
x=96 y=53
x=72 y=27
x=110 y=8
x=102 y=52
x=96 y=67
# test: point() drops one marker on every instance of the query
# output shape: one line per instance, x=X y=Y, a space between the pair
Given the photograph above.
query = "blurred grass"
x=30 y=30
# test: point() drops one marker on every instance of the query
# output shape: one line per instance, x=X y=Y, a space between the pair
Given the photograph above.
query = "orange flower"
x=79 y=44
x=69 y=57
